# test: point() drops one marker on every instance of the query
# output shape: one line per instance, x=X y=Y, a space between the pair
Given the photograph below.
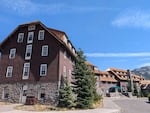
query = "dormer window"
x=20 y=37
x=31 y=27
x=30 y=37
x=41 y=35
x=12 y=53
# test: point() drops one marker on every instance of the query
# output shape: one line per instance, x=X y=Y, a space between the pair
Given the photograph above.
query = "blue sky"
x=112 y=33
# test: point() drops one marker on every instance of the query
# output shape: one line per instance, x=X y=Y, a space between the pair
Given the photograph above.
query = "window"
x=20 y=37
x=12 y=53
x=43 y=69
x=30 y=37
x=41 y=94
x=5 y=93
x=65 y=55
x=26 y=70
x=31 y=27
x=41 y=35
x=45 y=50
x=9 y=71
x=64 y=72
x=28 y=52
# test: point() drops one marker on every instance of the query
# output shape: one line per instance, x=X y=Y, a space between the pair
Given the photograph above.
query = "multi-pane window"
x=44 y=50
x=20 y=37
x=28 y=52
x=43 y=69
x=41 y=35
x=30 y=37
x=31 y=27
x=9 y=71
x=26 y=71
x=12 y=53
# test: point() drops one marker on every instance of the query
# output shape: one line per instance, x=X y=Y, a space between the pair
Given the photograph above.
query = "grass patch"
x=98 y=104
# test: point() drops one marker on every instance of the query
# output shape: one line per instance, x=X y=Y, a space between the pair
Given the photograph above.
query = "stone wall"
x=15 y=90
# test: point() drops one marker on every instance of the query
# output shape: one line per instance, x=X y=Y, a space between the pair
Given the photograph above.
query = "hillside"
x=145 y=71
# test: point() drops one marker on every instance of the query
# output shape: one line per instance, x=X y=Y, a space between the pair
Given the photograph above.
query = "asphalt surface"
x=133 y=105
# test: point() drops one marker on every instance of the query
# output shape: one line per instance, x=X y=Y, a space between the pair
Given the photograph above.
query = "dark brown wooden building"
x=33 y=60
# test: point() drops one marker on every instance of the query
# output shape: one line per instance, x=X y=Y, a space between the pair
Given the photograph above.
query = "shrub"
x=148 y=97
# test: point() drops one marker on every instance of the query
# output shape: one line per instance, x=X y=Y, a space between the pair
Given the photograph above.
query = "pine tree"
x=66 y=95
x=96 y=96
x=83 y=86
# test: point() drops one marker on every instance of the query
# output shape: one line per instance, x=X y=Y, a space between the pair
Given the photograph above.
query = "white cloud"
x=144 y=59
x=28 y=7
x=136 y=18
x=142 y=54
x=145 y=64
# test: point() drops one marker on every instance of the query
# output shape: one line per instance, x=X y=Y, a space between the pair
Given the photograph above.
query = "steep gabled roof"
x=55 y=33
x=123 y=75
x=108 y=77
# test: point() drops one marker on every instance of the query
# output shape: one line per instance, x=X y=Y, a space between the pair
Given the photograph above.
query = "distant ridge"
x=144 y=71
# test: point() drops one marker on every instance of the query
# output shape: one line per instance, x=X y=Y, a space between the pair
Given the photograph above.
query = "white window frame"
x=31 y=27
x=64 y=71
x=20 y=37
x=43 y=67
x=41 y=35
x=32 y=36
x=12 y=53
x=65 y=54
x=26 y=71
x=44 y=50
x=9 y=71
x=5 y=92
x=28 y=51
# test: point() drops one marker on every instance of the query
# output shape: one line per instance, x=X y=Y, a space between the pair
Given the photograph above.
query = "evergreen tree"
x=66 y=95
x=96 y=96
x=83 y=86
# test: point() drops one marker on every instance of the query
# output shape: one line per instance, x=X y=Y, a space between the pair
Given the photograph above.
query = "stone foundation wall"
x=15 y=91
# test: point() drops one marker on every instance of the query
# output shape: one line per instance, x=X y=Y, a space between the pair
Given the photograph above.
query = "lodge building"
x=33 y=60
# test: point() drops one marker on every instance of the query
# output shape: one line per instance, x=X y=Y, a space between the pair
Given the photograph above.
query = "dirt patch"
x=5 y=103
x=39 y=107
x=35 y=107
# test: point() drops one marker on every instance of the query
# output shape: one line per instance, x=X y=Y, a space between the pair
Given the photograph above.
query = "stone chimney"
x=130 y=80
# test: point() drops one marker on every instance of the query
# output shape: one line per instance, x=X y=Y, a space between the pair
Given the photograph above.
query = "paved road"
x=133 y=105
x=6 y=108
